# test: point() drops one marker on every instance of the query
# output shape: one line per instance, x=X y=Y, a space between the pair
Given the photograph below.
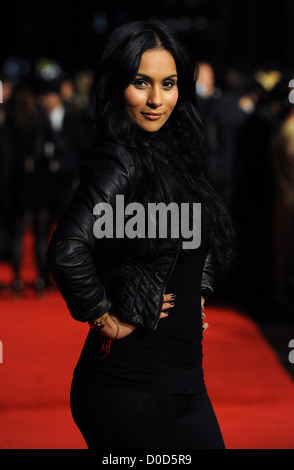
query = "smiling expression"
x=153 y=94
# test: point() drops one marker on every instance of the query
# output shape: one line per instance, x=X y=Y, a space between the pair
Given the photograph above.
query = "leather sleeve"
x=104 y=173
x=207 y=282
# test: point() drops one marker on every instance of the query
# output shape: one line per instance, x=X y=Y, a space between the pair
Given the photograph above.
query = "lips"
x=152 y=116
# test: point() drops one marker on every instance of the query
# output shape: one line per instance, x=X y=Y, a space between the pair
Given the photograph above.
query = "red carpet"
x=252 y=394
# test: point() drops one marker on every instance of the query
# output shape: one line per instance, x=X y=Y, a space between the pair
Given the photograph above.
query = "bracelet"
x=117 y=327
x=99 y=324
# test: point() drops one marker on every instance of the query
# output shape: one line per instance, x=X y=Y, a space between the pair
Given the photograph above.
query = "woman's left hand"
x=168 y=302
x=204 y=324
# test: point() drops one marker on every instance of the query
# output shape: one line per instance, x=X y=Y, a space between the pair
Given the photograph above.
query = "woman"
x=139 y=381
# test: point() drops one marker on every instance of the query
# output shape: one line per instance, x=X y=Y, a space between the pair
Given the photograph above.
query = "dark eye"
x=168 y=84
x=140 y=83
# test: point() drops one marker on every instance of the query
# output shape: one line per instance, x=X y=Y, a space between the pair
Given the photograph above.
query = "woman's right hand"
x=116 y=329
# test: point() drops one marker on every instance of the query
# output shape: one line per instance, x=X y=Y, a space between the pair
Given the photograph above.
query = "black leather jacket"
x=95 y=275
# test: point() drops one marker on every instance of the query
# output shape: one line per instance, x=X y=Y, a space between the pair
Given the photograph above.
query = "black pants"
x=41 y=224
x=114 y=418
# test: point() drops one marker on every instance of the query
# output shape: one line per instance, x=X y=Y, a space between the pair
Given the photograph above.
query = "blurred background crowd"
x=243 y=60
x=45 y=127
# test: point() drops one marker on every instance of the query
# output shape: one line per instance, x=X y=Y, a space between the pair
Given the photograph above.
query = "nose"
x=154 y=98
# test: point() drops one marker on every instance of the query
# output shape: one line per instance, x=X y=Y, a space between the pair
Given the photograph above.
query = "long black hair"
x=171 y=163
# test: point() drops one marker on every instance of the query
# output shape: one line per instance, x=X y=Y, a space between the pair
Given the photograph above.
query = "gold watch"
x=99 y=324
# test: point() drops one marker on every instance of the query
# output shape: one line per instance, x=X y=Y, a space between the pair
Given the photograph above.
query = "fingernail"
x=172 y=303
x=173 y=296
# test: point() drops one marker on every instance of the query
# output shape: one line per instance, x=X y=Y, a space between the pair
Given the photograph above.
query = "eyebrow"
x=143 y=75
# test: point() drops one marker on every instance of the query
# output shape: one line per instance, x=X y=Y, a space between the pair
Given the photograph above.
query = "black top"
x=167 y=360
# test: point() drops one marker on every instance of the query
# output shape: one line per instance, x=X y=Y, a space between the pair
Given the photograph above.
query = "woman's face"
x=152 y=96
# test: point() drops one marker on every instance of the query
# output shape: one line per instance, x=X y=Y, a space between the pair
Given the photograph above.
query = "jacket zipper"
x=165 y=284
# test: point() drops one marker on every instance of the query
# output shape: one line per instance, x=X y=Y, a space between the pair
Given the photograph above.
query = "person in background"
x=282 y=160
x=25 y=194
x=6 y=90
x=42 y=139
x=224 y=119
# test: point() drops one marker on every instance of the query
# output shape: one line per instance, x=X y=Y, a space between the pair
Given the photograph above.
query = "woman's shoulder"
x=107 y=166
x=106 y=158
x=106 y=150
